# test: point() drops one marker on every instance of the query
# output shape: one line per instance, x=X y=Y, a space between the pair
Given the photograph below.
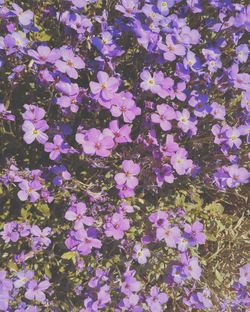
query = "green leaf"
x=219 y=276
x=44 y=209
x=70 y=255
x=12 y=266
x=214 y=208
x=47 y=271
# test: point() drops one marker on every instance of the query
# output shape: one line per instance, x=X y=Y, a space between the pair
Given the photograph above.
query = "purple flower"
x=169 y=147
x=103 y=297
x=204 y=298
x=171 y=235
x=4 y=300
x=164 y=174
x=192 y=62
x=185 y=123
x=33 y=113
x=245 y=274
x=28 y=190
x=130 y=303
x=240 y=80
x=120 y=135
x=192 y=268
x=87 y=241
x=35 y=131
x=242 y=53
x=94 y=142
x=123 y=104
x=104 y=90
x=77 y=213
x=24 y=229
x=195 y=234
x=8 y=44
x=218 y=111
x=69 y=63
x=245 y=101
x=5 y=114
x=116 y=225
x=220 y=133
x=171 y=48
x=158 y=218
x=56 y=148
x=43 y=55
x=5 y=284
x=130 y=284
x=128 y=7
x=156 y=299
x=21 y=40
x=23 y=277
x=152 y=83
x=177 y=274
x=40 y=237
x=10 y=233
x=71 y=98
x=35 y=290
x=125 y=191
x=237 y=176
x=180 y=162
x=24 y=17
x=61 y=174
x=178 y=91
x=141 y=254
x=79 y=3
x=164 y=114
x=233 y=139
x=128 y=177
x=5 y=287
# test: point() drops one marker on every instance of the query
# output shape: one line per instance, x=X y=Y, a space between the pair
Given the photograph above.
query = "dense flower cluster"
x=110 y=113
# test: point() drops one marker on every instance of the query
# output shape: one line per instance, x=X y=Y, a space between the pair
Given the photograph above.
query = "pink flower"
x=43 y=55
x=56 y=148
x=35 y=290
x=192 y=268
x=171 y=235
x=28 y=189
x=104 y=90
x=77 y=214
x=245 y=274
x=180 y=162
x=152 y=83
x=169 y=147
x=116 y=226
x=141 y=254
x=125 y=191
x=94 y=142
x=156 y=299
x=233 y=135
x=120 y=135
x=123 y=104
x=87 y=241
x=171 y=48
x=128 y=176
x=163 y=115
x=70 y=63
x=35 y=131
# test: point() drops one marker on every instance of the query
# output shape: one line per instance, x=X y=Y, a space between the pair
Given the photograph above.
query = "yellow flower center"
x=151 y=81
